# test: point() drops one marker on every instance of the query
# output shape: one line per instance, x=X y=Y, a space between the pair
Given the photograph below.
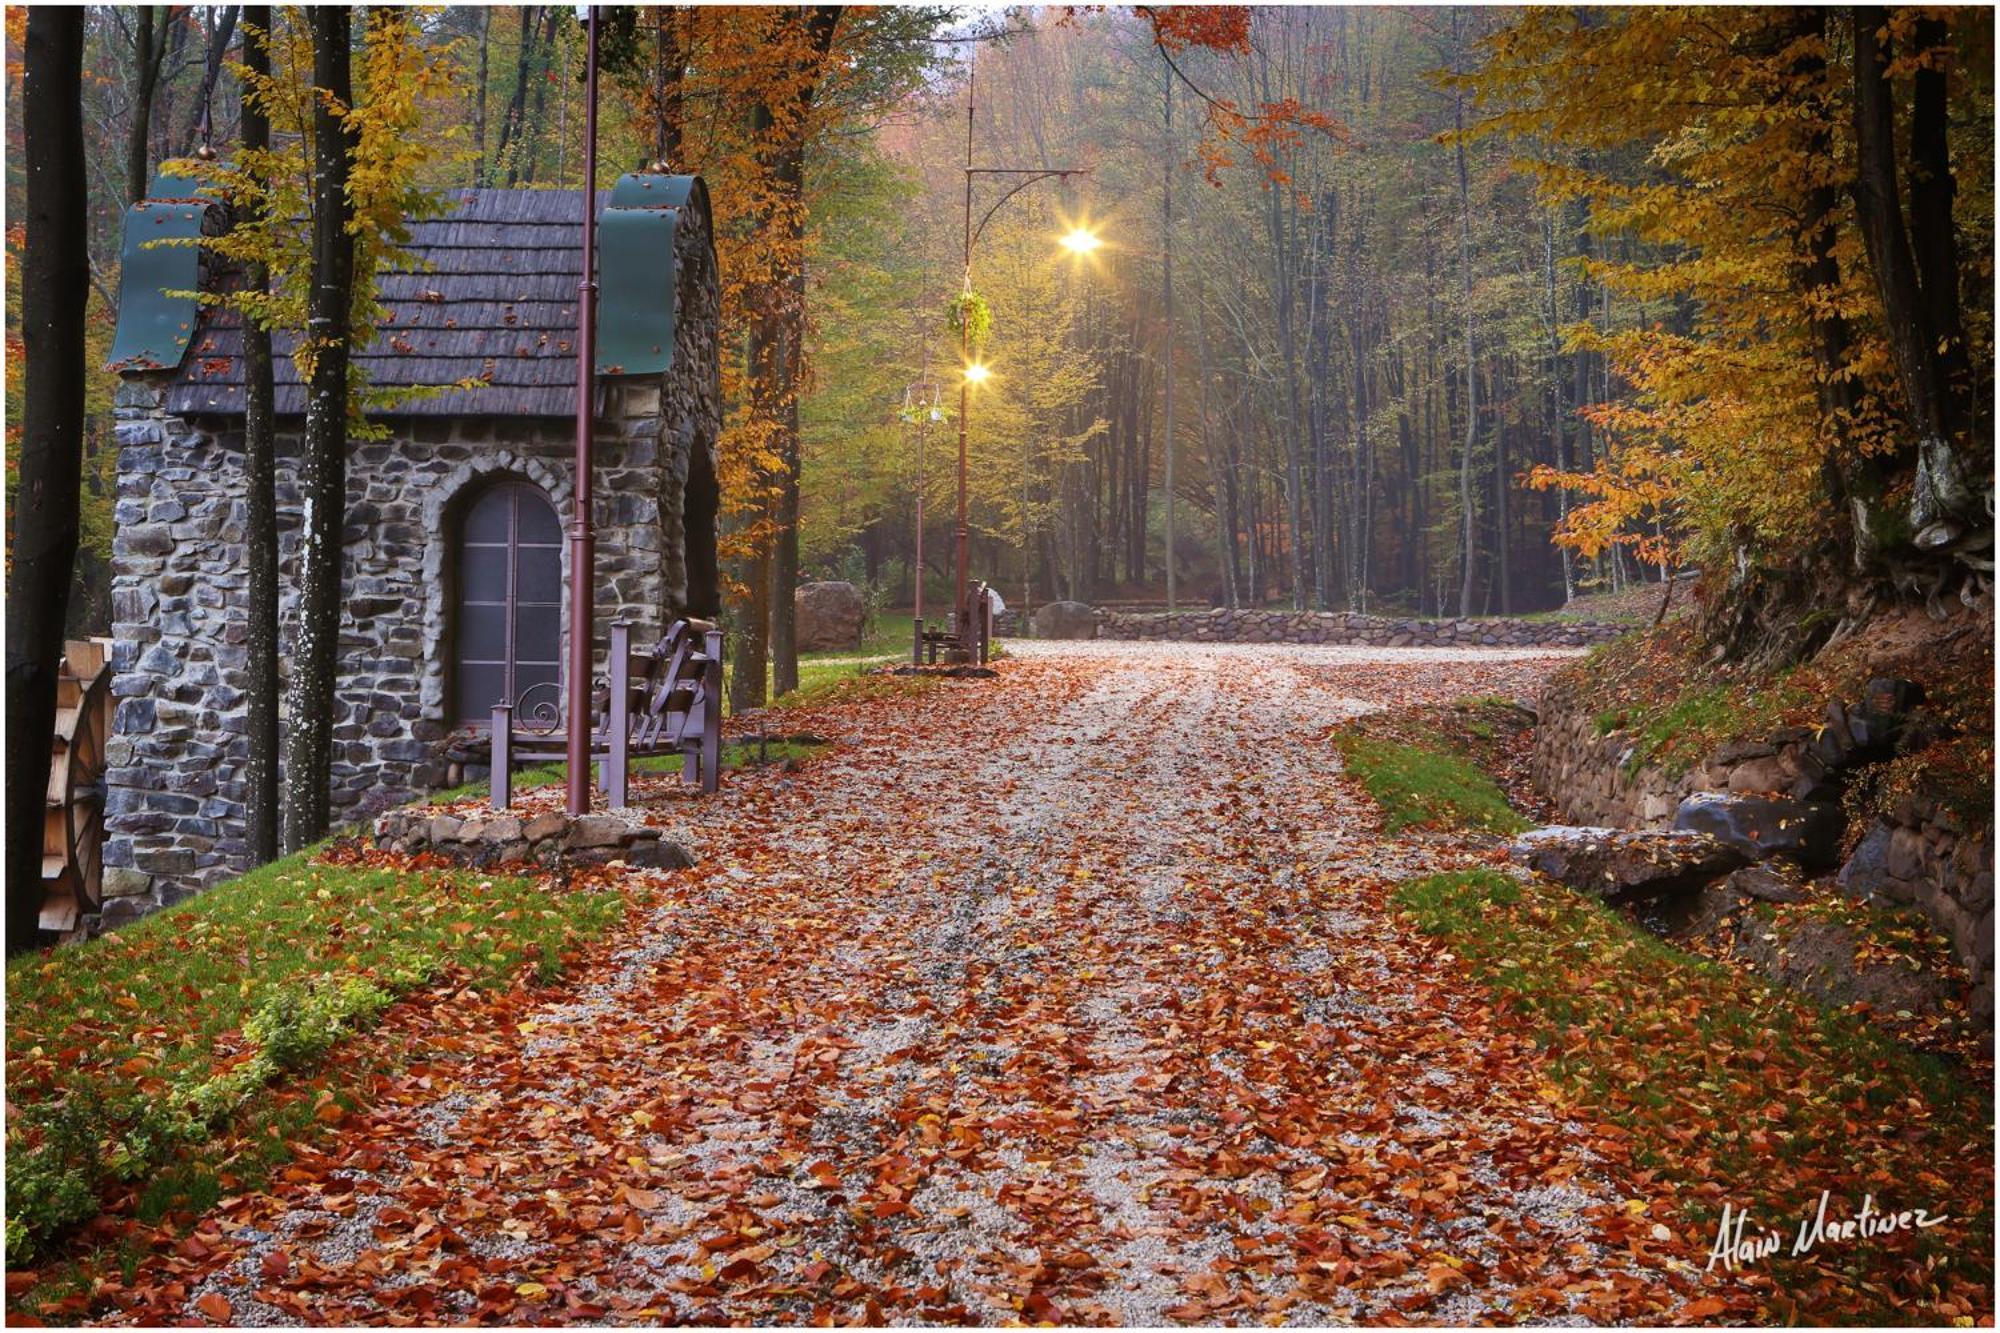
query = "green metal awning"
x=635 y=271
x=154 y=328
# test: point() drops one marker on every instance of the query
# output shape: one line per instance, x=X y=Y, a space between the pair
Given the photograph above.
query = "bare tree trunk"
x=789 y=180
x=1558 y=419
x=55 y=280
x=1914 y=317
x=1222 y=470
x=479 y=96
x=1167 y=296
x=260 y=467
x=522 y=170
x=511 y=128
x=323 y=466
x=149 y=48
x=221 y=31
x=1468 y=544
x=669 y=82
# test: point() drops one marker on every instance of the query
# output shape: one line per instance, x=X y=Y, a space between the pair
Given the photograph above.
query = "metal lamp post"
x=920 y=408
x=971 y=371
x=582 y=541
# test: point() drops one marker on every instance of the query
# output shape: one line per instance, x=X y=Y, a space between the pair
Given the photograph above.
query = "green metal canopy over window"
x=635 y=272
x=154 y=328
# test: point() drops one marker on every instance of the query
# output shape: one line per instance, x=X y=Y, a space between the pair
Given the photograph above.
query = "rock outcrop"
x=1620 y=866
x=1779 y=795
x=1761 y=827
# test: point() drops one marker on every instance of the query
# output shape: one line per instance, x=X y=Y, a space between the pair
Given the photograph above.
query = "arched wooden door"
x=507 y=626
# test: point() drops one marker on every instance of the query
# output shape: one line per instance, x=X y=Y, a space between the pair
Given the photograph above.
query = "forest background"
x=1387 y=297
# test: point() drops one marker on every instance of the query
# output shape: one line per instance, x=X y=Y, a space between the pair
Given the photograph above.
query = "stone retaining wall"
x=500 y=838
x=1345 y=627
x=1919 y=856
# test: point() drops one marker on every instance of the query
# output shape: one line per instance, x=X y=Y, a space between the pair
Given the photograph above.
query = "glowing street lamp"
x=1081 y=241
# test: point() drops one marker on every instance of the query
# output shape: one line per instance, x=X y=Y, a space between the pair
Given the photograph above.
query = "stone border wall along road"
x=1346 y=627
x=1919 y=855
x=483 y=839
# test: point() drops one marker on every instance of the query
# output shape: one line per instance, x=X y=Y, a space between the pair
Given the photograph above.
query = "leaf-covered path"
x=1067 y=996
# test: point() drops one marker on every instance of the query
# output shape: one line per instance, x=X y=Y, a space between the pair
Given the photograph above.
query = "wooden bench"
x=664 y=701
x=928 y=642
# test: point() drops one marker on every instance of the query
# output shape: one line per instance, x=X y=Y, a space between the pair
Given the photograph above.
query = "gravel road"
x=1068 y=996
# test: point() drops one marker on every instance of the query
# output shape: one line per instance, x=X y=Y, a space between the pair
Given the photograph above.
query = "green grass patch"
x=552 y=775
x=147 y=1057
x=1417 y=786
x=853 y=682
x=1735 y=1091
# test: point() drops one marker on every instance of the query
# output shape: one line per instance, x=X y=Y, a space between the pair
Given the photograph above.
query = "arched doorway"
x=507 y=614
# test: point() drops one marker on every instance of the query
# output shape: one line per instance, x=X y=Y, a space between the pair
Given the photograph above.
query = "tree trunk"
x=1221 y=468
x=1933 y=240
x=1815 y=269
x=1167 y=296
x=323 y=465
x=522 y=171
x=669 y=83
x=511 y=127
x=1468 y=544
x=221 y=31
x=479 y=97
x=261 y=507
x=55 y=279
x=1913 y=317
x=788 y=171
x=149 y=48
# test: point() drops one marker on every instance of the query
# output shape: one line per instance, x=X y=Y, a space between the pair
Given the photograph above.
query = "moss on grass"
x=1418 y=786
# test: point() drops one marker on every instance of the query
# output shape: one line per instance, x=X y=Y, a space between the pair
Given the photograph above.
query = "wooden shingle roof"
x=492 y=299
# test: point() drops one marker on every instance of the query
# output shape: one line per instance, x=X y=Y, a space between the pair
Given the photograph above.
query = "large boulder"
x=1619 y=865
x=1762 y=827
x=1065 y=620
x=828 y=615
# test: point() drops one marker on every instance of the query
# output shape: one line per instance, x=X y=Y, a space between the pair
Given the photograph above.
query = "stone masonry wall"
x=1919 y=855
x=175 y=799
x=1342 y=627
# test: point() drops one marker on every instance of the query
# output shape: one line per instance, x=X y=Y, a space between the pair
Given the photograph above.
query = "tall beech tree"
x=323 y=456
x=55 y=278
x=149 y=50
x=778 y=337
x=260 y=472
x=1806 y=416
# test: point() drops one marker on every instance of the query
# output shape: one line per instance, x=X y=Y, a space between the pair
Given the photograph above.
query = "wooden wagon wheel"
x=73 y=827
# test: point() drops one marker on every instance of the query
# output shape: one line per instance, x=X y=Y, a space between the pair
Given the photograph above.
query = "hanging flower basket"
x=970 y=317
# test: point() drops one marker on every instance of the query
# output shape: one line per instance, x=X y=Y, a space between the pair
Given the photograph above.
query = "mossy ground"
x=1743 y=1093
x=1444 y=767
x=118 y=1046
x=1419 y=786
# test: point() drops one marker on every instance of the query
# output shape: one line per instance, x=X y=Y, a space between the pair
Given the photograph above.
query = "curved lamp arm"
x=1062 y=173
